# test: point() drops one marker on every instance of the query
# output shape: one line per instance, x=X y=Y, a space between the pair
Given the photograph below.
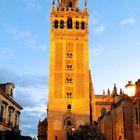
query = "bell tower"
x=68 y=101
x=68 y=3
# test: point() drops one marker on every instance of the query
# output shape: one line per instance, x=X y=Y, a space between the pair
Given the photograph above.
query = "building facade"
x=42 y=129
x=71 y=100
x=69 y=69
x=122 y=122
x=9 y=109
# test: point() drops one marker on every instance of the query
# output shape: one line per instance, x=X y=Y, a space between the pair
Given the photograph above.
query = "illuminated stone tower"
x=68 y=103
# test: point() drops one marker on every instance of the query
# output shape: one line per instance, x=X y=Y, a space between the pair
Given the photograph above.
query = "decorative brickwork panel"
x=58 y=56
x=79 y=56
x=69 y=50
x=58 y=85
x=79 y=85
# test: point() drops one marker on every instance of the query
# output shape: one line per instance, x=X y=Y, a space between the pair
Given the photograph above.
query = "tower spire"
x=53 y=5
x=85 y=7
x=53 y=2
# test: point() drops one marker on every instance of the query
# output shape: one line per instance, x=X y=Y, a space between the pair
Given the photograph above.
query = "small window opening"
x=77 y=25
x=69 y=23
x=68 y=123
x=61 y=24
x=69 y=95
x=82 y=25
x=56 y=24
x=70 y=4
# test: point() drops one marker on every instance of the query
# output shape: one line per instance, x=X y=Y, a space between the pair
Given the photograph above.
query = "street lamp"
x=73 y=129
x=130 y=89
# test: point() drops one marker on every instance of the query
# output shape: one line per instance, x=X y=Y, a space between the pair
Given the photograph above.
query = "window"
x=1 y=114
x=69 y=65
x=9 y=117
x=15 y=125
x=11 y=92
x=69 y=107
x=68 y=123
x=103 y=111
x=68 y=80
x=61 y=24
x=69 y=95
x=69 y=23
x=77 y=25
x=82 y=25
x=69 y=55
x=70 y=4
x=56 y=24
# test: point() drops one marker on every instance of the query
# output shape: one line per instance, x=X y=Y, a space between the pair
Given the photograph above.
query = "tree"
x=12 y=135
x=86 y=132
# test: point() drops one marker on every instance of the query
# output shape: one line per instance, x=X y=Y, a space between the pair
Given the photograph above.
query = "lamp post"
x=130 y=89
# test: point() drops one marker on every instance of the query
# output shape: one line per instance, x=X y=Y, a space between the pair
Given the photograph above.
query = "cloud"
x=33 y=108
x=25 y=100
x=100 y=29
x=128 y=21
x=34 y=98
x=29 y=122
x=31 y=92
x=6 y=54
x=7 y=75
x=29 y=40
x=28 y=80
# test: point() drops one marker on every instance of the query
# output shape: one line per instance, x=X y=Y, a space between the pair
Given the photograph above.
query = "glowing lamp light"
x=73 y=129
x=130 y=89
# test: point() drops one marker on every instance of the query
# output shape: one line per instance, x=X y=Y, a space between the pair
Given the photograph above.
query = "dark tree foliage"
x=86 y=132
x=12 y=135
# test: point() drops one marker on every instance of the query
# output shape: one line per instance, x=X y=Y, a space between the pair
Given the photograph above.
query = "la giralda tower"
x=68 y=102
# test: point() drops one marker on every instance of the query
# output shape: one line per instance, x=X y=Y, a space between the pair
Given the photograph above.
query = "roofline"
x=12 y=101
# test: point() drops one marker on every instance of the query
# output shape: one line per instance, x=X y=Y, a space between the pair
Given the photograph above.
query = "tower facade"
x=68 y=102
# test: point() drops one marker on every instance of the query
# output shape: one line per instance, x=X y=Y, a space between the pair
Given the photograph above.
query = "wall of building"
x=120 y=122
x=9 y=109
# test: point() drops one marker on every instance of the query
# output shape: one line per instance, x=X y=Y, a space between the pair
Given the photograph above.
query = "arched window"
x=70 y=4
x=69 y=66
x=68 y=123
x=56 y=24
x=82 y=25
x=69 y=23
x=69 y=54
x=69 y=107
x=61 y=24
x=77 y=25
x=103 y=111
x=69 y=80
x=69 y=95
